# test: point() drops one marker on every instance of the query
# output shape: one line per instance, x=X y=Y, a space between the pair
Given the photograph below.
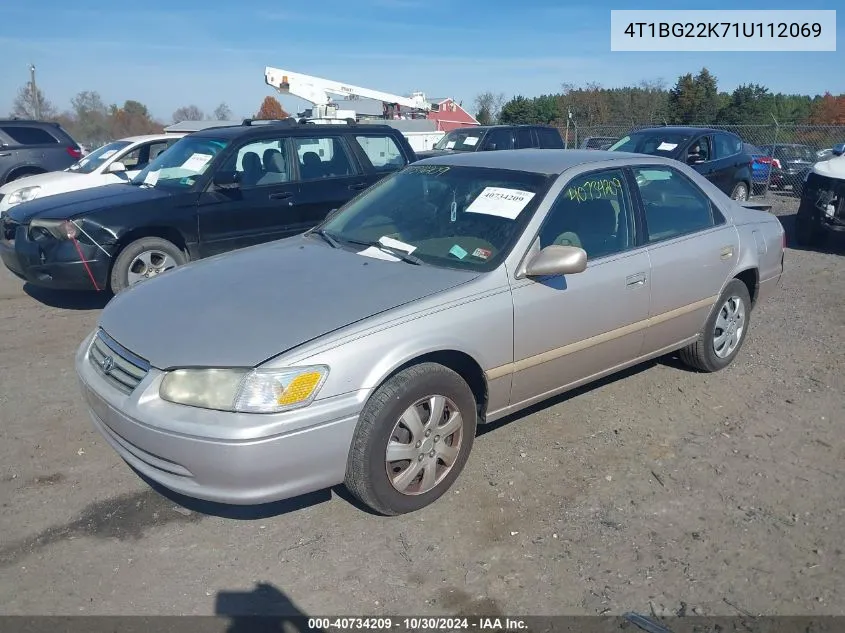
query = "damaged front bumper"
x=826 y=198
x=76 y=263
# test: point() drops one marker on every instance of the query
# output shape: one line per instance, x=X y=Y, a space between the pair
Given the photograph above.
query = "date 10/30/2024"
x=423 y=623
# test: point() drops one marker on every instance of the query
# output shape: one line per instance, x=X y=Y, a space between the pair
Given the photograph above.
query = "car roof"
x=152 y=137
x=542 y=161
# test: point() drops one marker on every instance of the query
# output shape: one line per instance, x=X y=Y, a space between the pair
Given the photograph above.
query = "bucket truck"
x=317 y=91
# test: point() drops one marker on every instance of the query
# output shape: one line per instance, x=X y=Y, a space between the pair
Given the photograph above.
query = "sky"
x=168 y=54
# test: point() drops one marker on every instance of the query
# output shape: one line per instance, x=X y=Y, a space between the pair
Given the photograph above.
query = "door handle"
x=727 y=252
x=283 y=195
x=358 y=186
x=635 y=280
x=5 y=153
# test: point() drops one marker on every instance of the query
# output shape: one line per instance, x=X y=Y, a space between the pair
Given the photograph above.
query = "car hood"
x=72 y=204
x=242 y=308
x=832 y=168
x=40 y=180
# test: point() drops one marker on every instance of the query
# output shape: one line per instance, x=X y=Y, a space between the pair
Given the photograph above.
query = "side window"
x=593 y=212
x=727 y=145
x=382 y=151
x=322 y=157
x=524 y=138
x=131 y=158
x=23 y=135
x=700 y=151
x=673 y=205
x=264 y=162
x=157 y=148
x=499 y=139
x=549 y=139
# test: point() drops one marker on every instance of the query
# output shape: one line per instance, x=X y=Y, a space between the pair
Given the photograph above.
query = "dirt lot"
x=659 y=490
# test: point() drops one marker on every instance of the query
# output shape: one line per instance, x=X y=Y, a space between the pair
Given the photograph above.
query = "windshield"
x=455 y=217
x=96 y=158
x=181 y=165
x=460 y=141
x=654 y=142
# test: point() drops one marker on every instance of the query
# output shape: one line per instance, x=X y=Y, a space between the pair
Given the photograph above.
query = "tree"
x=271 y=109
x=488 y=106
x=694 y=100
x=132 y=119
x=749 y=104
x=188 y=113
x=829 y=110
x=518 y=110
x=90 y=122
x=223 y=113
x=32 y=105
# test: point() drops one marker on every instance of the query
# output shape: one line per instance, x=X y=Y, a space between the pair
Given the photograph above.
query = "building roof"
x=196 y=126
x=543 y=161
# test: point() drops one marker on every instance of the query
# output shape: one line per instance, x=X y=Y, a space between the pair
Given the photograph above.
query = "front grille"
x=116 y=364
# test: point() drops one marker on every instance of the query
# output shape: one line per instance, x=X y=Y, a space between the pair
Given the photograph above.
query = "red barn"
x=451 y=115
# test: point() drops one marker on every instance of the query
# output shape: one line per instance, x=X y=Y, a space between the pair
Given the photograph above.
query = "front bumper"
x=233 y=458
x=60 y=264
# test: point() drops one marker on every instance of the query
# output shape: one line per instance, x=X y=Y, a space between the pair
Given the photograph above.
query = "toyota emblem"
x=107 y=364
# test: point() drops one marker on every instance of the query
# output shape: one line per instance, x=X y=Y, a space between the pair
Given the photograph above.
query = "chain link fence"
x=782 y=153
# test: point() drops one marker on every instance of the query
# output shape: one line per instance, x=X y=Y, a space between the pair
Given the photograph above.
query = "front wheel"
x=143 y=259
x=807 y=229
x=724 y=332
x=413 y=439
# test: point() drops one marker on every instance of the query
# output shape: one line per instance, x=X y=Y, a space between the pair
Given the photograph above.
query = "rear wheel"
x=740 y=192
x=413 y=439
x=143 y=259
x=724 y=332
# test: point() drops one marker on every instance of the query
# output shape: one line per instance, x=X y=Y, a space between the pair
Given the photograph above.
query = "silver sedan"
x=453 y=293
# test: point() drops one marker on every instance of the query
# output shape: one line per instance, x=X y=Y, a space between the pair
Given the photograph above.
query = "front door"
x=700 y=157
x=568 y=328
x=692 y=250
x=264 y=207
x=728 y=161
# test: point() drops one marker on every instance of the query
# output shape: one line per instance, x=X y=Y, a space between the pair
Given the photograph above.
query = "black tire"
x=740 y=188
x=366 y=469
x=119 y=279
x=701 y=355
x=807 y=229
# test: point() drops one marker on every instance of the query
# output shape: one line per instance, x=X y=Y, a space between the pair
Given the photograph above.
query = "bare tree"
x=91 y=122
x=27 y=104
x=223 y=113
x=188 y=113
x=488 y=106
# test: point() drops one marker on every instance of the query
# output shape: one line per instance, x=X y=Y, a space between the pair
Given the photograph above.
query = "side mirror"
x=839 y=150
x=557 y=260
x=227 y=180
x=116 y=167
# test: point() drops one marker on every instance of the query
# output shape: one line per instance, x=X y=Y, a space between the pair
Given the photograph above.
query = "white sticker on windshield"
x=108 y=154
x=666 y=147
x=450 y=144
x=151 y=178
x=471 y=140
x=197 y=162
x=502 y=202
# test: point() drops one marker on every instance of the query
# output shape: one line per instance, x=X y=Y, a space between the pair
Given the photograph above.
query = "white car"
x=112 y=163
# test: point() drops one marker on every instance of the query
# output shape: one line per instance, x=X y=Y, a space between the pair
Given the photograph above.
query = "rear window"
x=382 y=151
x=549 y=139
x=24 y=135
x=795 y=152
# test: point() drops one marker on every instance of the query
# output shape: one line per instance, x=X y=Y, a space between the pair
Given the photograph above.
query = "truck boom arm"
x=317 y=90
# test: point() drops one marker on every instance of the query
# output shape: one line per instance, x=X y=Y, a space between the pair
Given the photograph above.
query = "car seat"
x=596 y=227
x=252 y=169
x=311 y=165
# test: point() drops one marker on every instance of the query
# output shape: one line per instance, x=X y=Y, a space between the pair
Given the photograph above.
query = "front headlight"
x=57 y=229
x=245 y=390
x=24 y=195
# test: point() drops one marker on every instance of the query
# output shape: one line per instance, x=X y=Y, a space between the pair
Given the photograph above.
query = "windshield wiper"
x=326 y=236
x=397 y=252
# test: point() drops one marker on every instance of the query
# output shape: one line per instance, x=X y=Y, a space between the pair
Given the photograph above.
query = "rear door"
x=264 y=207
x=329 y=172
x=692 y=250
x=730 y=162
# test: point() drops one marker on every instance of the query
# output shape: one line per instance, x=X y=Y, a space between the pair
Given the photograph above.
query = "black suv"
x=482 y=138
x=34 y=147
x=212 y=191
x=790 y=164
x=717 y=155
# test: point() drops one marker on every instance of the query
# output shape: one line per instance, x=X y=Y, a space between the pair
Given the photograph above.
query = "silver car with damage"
x=455 y=292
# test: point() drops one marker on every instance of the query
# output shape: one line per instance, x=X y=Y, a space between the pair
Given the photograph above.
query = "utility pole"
x=35 y=101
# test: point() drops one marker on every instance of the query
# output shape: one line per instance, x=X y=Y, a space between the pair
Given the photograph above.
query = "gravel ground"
x=658 y=491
